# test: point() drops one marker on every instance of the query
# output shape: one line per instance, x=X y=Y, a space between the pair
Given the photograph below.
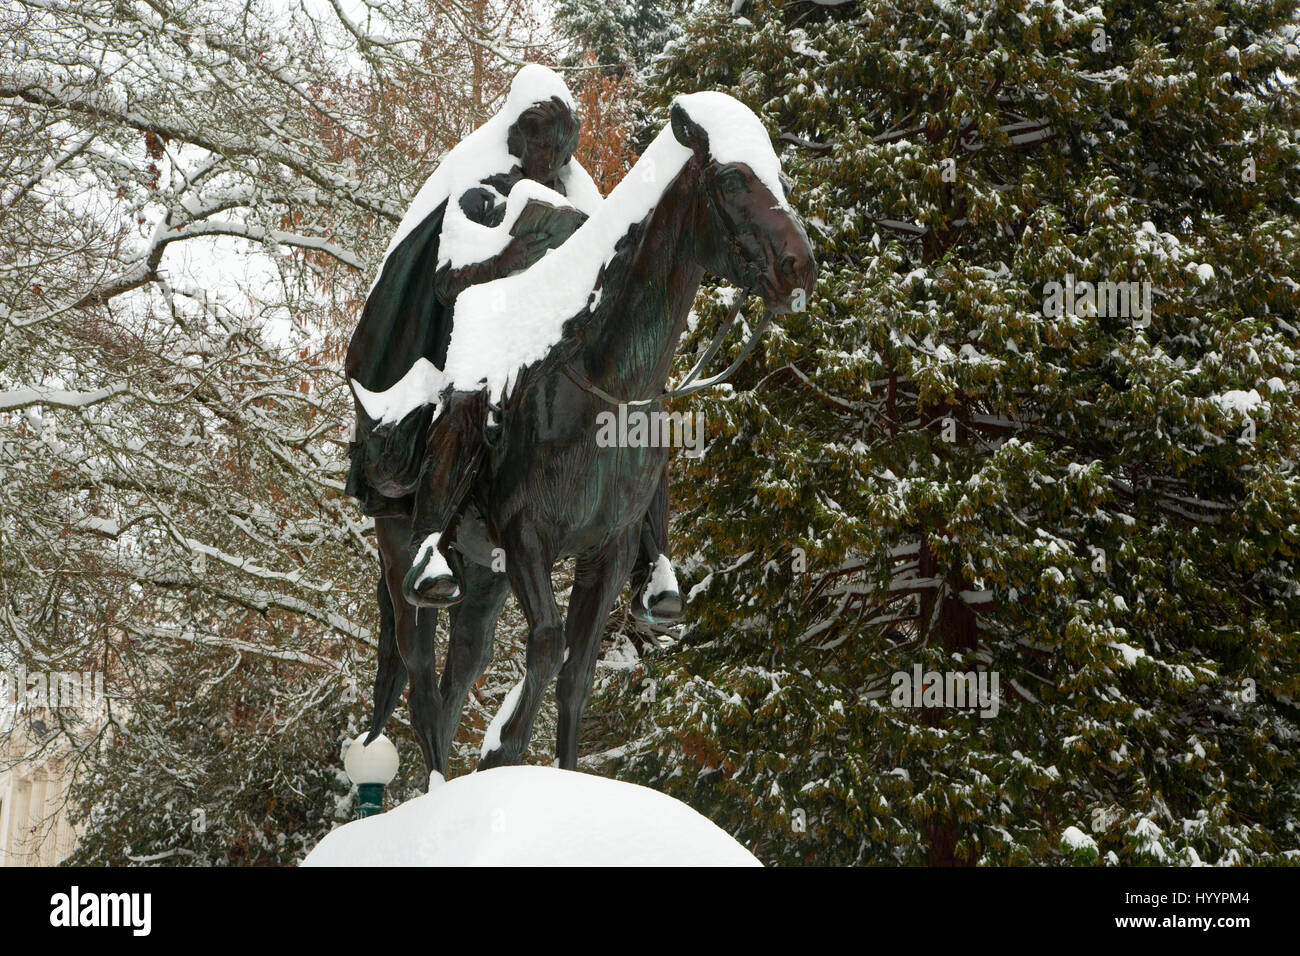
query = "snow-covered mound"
x=533 y=816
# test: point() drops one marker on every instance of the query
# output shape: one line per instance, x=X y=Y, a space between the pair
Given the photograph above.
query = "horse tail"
x=390 y=678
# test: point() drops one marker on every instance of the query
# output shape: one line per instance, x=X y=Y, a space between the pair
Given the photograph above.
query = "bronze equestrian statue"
x=407 y=322
x=512 y=461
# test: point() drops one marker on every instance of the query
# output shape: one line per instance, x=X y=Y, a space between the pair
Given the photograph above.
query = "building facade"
x=34 y=825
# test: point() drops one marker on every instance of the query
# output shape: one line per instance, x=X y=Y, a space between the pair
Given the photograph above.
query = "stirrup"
x=440 y=590
x=666 y=609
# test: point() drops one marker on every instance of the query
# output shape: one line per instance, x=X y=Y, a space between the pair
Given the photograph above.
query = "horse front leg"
x=528 y=565
x=473 y=625
x=415 y=630
x=597 y=582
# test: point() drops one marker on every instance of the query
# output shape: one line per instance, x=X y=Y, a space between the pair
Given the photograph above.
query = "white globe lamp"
x=371 y=768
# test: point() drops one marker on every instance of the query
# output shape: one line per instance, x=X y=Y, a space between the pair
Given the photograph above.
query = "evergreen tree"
x=615 y=36
x=946 y=462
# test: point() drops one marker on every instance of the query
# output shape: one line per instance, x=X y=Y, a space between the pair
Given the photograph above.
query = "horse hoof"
x=493 y=758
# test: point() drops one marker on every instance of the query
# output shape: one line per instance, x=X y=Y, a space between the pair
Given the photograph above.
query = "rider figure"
x=542 y=140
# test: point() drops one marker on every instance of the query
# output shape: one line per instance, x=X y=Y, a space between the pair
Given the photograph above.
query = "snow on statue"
x=479 y=383
x=497 y=201
x=533 y=816
x=518 y=192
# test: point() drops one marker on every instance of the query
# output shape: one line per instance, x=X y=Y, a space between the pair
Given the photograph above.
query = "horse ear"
x=688 y=132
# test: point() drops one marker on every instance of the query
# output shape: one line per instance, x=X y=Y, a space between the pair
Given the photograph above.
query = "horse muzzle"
x=787 y=285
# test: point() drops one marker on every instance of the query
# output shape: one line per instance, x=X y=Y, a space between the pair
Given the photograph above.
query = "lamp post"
x=370 y=768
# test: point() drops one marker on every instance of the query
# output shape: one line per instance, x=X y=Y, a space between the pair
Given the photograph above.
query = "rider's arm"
x=519 y=253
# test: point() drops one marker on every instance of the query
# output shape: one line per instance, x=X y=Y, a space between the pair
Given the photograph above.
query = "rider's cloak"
x=403 y=320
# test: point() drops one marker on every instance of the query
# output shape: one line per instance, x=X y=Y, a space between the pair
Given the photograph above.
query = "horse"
x=548 y=490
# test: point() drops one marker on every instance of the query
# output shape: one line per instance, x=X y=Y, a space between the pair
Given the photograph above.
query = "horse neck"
x=633 y=335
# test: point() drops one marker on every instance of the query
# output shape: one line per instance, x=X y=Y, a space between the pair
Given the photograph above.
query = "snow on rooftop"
x=533 y=816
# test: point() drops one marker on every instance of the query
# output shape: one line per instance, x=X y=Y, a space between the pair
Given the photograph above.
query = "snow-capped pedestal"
x=533 y=816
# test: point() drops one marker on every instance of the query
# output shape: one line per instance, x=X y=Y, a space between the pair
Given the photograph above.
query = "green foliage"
x=616 y=36
x=1094 y=507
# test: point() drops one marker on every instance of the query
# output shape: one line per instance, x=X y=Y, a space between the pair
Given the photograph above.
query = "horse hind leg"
x=473 y=626
x=414 y=629
x=597 y=583
x=529 y=568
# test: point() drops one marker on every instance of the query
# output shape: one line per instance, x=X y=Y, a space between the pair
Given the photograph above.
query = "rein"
x=685 y=387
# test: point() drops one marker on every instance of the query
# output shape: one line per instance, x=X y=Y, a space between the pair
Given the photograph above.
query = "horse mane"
x=612 y=274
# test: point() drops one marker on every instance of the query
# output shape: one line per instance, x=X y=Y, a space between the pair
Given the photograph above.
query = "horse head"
x=744 y=233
